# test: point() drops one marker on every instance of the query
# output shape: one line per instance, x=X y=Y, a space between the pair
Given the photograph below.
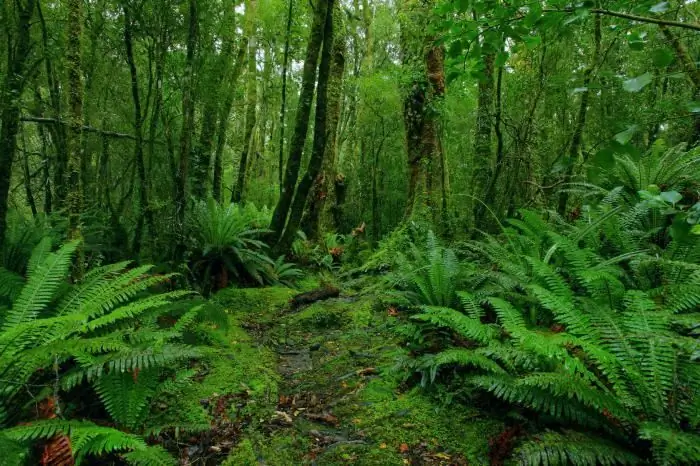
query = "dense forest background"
x=247 y=143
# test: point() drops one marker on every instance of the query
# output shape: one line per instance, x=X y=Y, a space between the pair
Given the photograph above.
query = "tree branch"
x=87 y=129
x=641 y=19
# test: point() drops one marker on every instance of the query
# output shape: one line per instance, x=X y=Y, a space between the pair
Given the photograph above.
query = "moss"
x=262 y=304
x=238 y=366
x=282 y=448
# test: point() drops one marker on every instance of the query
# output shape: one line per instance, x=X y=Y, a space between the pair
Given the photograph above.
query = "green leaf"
x=662 y=57
x=661 y=7
x=626 y=136
x=638 y=83
x=694 y=107
x=695 y=230
x=501 y=59
x=671 y=197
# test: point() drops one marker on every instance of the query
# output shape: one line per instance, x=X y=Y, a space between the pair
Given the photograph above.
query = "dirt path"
x=340 y=399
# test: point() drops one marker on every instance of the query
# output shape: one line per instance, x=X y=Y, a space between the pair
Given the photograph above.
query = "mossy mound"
x=349 y=406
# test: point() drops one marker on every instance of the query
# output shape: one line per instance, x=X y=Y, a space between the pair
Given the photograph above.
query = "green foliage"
x=227 y=241
x=556 y=327
x=429 y=276
x=105 y=328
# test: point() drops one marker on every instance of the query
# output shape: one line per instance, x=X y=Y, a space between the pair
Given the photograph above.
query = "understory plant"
x=597 y=338
x=108 y=343
x=227 y=244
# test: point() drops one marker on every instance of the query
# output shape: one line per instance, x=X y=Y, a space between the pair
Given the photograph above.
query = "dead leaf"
x=392 y=312
x=403 y=448
x=382 y=446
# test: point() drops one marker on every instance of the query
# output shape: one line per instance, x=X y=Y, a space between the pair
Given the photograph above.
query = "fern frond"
x=671 y=446
x=41 y=287
x=456 y=321
x=572 y=448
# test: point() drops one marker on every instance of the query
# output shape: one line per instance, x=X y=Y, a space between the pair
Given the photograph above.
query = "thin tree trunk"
x=27 y=176
x=320 y=136
x=224 y=117
x=482 y=140
x=577 y=139
x=296 y=149
x=283 y=108
x=187 y=129
x=74 y=199
x=10 y=99
x=322 y=197
x=238 y=190
x=144 y=214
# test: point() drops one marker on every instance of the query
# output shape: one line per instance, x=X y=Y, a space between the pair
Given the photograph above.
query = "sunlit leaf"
x=638 y=83
x=626 y=136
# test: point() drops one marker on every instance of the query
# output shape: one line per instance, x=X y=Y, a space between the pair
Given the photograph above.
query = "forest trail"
x=340 y=401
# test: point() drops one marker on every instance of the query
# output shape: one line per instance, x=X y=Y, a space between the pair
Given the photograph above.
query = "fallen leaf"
x=392 y=311
x=382 y=446
x=403 y=448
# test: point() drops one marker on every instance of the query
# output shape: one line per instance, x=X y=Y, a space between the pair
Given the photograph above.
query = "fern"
x=569 y=447
x=107 y=329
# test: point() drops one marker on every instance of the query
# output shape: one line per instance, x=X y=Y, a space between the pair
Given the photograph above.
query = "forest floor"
x=316 y=385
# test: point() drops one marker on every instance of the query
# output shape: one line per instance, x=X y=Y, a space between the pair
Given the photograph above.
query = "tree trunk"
x=238 y=190
x=426 y=61
x=74 y=199
x=320 y=136
x=577 y=139
x=482 y=141
x=296 y=149
x=283 y=108
x=187 y=129
x=11 y=101
x=225 y=113
x=144 y=213
x=322 y=197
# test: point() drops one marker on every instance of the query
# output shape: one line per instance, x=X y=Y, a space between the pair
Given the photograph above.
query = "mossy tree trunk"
x=320 y=137
x=425 y=61
x=238 y=191
x=319 y=218
x=187 y=129
x=228 y=90
x=10 y=100
x=145 y=216
x=74 y=199
x=296 y=147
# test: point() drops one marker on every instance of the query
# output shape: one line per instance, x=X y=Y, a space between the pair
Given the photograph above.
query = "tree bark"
x=11 y=101
x=144 y=213
x=322 y=197
x=577 y=139
x=187 y=128
x=225 y=113
x=420 y=107
x=283 y=107
x=296 y=149
x=320 y=137
x=74 y=199
x=238 y=191
x=482 y=140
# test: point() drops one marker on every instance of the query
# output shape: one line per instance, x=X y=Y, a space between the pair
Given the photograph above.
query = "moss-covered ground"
x=318 y=385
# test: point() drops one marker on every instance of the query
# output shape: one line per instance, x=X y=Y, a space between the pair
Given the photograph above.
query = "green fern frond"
x=670 y=446
x=126 y=395
x=151 y=456
x=42 y=285
x=465 y=326
x=572 y=448
x=10 y=284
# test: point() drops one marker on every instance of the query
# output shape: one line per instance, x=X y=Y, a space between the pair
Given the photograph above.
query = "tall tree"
x=10 y=99
x=306 y=95
x=74 y=117
x=318 y=149
x=145 y=214
x=188 y=105
x=424 y=61
x=323 y=196
x=238 y=190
